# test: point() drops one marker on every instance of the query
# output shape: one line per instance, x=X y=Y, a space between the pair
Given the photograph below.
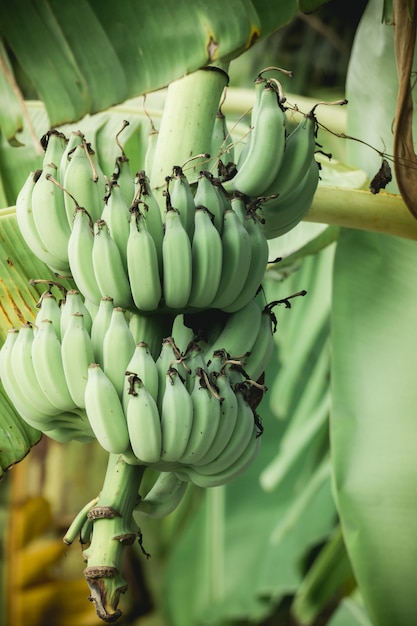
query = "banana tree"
x=366 y=453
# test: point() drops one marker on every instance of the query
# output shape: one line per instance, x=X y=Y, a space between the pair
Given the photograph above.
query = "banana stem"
x=187 y=123
x=113 y=530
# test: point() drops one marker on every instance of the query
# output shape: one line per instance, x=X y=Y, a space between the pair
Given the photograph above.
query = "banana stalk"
x=113 y=530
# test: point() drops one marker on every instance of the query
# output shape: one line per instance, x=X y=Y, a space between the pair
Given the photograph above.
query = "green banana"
x=100 y=326
x=143 y=265
x=118 y=348
x=108 y=267
x=281 y=217
x=225 y=476
x=73 y=303
x=164 y=496
x=143 y=422
x=176 y=262
x=206 y=418
x=85 y=181
x=192 y=360
x=27 y=226
x=259 y=252
x=151 y=329
x=105 y=412
x=143 y=366
x=49 y=309
x=236 y=261
x=182 y=199
x=209 y=195
x=266 y=148
x=49 y=369
x=117 y=216
x=75 y=138
x=221 y=149
x=150 y=148
x=122 y=174
x=206 y=255
x=80 y=255
x=176 y=417
x=238 y=203
x=77 y=354
x=146 y=200
x=260 y=354
x=182 y=334
x=168 y=356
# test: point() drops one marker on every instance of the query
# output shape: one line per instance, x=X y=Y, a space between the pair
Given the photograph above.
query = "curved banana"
x=209 y=195
x=143 y=265
x=225 y=476
x=109 y=271
x=150 y=148
x=100 y=326
x=50 y=217
x=176 y=417
x=259 y=252
x=117 y=216
x=118 y=348
x=206 y=251
x=299 y=153
x=143 y=422
x=152 y=212
x=85 y=181
x=77 y=354
x=73 y=303
x=176 y=262
x=257 y=360
x=75 y=138
x=238 y=203
x=239 y=332
x=281 y=217
x=105 y=412
x=221 y=148
x=24 y=372
x=80 y=255
x=151 y=329
x=49 y=369
x=236 y=260
x=206 y=417
x=144 y=367
x=164 y=496
x=227 y=419
x=168 y=356
x=27 y=226
x=192 y=360
x=49 y=309
x=122 y=174
x=266 y=148
x=181 y=333
x=244 y=431
x=182 y=199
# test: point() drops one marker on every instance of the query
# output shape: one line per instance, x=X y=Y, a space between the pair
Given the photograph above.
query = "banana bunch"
x=276 y=169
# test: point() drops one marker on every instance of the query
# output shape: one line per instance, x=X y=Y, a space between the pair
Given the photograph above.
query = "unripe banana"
x=49 y=369
x=24 y=372
x=266 y=150
x=259 y=252
x=49 y=310
x=144 y=367
x=169 y=356
x=181 y=333
x=84 y=180
x=105 y=411
x=177 y=262
x=182 y=199
x=208 y=195
x=143 y=265
x=176 y=417
x=118 y=348
x=77 y=354
x=239 y=332
x=243 y=432
x=73 y=303
x=108 y=266
x=227 y=419
x=257 y=360
x=151 y=329
x=100 y=326
x=236 y=260
x=143 y=422
x=206 y=417
x=50 y=217
x=150 y=148
x=192 y=361
x=225 y=476
x=117 y=216
x=238 y=204
x=206 y=250
x=164 y=496
x=80 y=255
x=122 y=174
x=221 y=142
x=75 y=138
x=152 y=212
x=27 y=226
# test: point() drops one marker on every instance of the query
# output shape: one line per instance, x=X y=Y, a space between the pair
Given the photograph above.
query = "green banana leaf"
x=373 y=422
x=91 y=55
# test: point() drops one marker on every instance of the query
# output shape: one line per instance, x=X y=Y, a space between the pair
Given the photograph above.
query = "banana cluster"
x=189 y=409
x=276 y=168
